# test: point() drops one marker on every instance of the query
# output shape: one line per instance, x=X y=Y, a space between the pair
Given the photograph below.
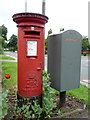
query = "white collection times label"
x=31 y=48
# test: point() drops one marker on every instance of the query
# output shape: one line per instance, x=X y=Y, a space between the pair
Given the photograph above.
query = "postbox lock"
x=32 y=28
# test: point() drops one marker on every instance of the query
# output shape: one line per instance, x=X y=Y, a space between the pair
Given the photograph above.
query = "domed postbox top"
x=30 y=17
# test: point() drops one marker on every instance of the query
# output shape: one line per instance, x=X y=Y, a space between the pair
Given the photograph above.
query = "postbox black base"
x=25 y=100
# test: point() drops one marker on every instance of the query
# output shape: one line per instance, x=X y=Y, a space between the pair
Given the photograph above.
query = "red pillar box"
x=30 y=52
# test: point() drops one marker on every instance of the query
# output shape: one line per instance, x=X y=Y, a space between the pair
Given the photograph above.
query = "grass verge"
x=81 y=93
x=6 y=57
x=9 y=68
x=86 y=54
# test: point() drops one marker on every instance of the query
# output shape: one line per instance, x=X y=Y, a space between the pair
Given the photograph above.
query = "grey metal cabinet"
x=64 y=60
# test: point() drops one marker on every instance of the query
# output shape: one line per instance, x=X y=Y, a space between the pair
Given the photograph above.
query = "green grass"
x=9 y=68
x=6 y=57
x=86 y=54
x=81 y=93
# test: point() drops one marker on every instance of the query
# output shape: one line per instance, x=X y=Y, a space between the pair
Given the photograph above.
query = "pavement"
x=8 y=60
x=85 y=82
x=85 y=67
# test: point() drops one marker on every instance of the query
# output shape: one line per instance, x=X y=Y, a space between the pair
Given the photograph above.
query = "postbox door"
x=31 y=64
x=34 y=67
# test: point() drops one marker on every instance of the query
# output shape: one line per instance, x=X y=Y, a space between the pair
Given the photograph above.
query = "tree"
x=50 y=31
x=13 y=43
x=3 y=32
x=46 y=40
x=46 y=44
x=3 y=38
x=85 y=44
x=89 y=47
x=61 y=29
x=2 y=43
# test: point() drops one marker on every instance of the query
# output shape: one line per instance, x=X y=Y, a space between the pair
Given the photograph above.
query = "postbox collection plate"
x=31 y=48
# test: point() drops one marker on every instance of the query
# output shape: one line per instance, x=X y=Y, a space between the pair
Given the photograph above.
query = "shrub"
x=3 y=104
x=34 y=111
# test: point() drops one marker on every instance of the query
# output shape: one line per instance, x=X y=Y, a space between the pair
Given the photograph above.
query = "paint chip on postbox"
x=31 y=48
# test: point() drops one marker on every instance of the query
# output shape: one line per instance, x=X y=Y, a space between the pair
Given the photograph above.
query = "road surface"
x=12 y=54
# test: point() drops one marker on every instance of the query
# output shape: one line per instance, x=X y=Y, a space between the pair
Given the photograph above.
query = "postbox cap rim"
x=29 y=15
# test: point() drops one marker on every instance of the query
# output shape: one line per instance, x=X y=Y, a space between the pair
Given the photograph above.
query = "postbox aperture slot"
x=36 y=33
x=31 y=48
